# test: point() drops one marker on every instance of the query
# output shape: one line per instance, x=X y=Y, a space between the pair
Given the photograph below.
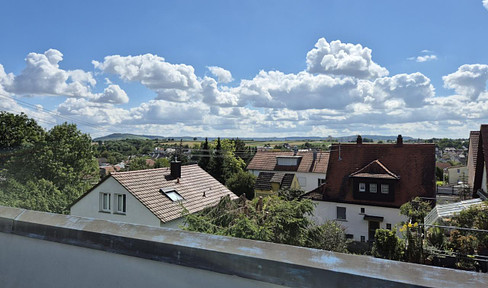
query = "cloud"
x=172 y=82
x=100 y=113
x=42 y=76
x=112 y=94
x=468 y=80
x=166 y=112
x=223 y=76
x=485 y=3
x=347 y=59
x=426 y=58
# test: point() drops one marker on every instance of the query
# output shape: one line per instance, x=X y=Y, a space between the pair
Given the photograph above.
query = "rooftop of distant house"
x=411 y=166
x=155 y=189
x=299 y=161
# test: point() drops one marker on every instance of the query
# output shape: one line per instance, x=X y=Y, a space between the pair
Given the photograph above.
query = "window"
x=349 y=236
x=321 y=181
x=120 y=203
x=388 y=226
x=362 y=187
x=171 y=194
x=341 y=213
x=105 y=202
x=174 y=196
x=385 y=188
x=363 y=239
x=362 y=210
x=373 y=188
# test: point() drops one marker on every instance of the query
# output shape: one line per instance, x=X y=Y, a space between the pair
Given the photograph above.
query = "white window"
x=105 y=202
x=385 y=188
x=373 y=188
x=120 y=203
x=341 y=213
x=362 y=187
x=174 y=196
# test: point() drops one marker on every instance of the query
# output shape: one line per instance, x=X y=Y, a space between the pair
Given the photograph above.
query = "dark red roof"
x=474 y=139
x=409 y=167
x=481 y=159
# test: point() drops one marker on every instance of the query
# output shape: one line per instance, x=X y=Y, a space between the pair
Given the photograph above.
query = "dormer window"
x=385 y=188
x=362 y=187
x=171 y=194
x=373 y=188
x=288 y=160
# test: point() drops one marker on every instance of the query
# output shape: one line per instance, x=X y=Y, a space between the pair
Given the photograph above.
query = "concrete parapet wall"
x=58 y=249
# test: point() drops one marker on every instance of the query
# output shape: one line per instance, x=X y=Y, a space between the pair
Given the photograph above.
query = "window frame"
x=340 y=208
x=388 y=226
x=105 y=198
x=387 y=189
x=117 y=203
x=371 y=185
x=363 y=186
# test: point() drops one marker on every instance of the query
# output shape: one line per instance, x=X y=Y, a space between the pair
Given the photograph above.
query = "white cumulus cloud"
x=485 y=3
x=172 y=82
x=347 y=59
x=468 y=80
x=223 y=76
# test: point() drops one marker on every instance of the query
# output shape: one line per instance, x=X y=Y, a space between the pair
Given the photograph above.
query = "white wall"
x=307 y=181
x=355 y=223
x=136 y=213
x=457 y=174
x=483 y=181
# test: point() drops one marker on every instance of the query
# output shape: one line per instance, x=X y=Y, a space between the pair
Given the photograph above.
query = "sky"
x=248 y=68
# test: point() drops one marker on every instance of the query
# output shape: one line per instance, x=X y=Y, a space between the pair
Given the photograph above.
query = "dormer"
x=288 y=160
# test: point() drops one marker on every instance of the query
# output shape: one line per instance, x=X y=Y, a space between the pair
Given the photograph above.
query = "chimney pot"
x=359 y=140
x=399 y=140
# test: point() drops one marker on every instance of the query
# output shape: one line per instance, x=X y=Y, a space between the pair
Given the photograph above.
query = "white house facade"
x=104 y=202
x=360 y=221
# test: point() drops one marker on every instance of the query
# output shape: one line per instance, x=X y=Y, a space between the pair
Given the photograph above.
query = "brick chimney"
x=399 y=140
x=359 y=140
x=176 y=169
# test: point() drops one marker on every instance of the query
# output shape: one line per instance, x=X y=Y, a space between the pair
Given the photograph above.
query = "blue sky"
x=248 y=68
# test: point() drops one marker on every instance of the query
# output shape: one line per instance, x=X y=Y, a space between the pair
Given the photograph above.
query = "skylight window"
x=171 y=194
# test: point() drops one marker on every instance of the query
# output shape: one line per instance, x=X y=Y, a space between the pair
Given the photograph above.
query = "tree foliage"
x=242 y=183
x=56 y=169
x=415 y=210
x=387 y=245
x=271 y=219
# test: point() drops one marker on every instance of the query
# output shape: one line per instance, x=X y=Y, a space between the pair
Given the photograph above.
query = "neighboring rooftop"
x=412 y=165
x=264 y=180
x=446 y=211
x=198 y=189
x=307 y=162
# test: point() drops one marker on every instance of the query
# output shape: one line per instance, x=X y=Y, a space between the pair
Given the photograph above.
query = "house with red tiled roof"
x=154 y=197
x=310 y=167
x=367 y=183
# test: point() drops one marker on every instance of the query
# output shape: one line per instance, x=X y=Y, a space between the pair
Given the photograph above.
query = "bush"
x=387 y=245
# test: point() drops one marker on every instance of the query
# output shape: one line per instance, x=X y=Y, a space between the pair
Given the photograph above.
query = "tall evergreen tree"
x=205 y=158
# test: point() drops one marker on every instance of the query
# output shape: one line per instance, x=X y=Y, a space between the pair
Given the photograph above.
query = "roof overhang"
x=373 y=218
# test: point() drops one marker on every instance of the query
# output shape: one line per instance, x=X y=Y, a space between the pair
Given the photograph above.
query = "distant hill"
x=123 y=136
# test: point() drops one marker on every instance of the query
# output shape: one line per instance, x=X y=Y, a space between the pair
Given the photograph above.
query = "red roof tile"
x=145 y=185
x=266 y=161
x=413 y=164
